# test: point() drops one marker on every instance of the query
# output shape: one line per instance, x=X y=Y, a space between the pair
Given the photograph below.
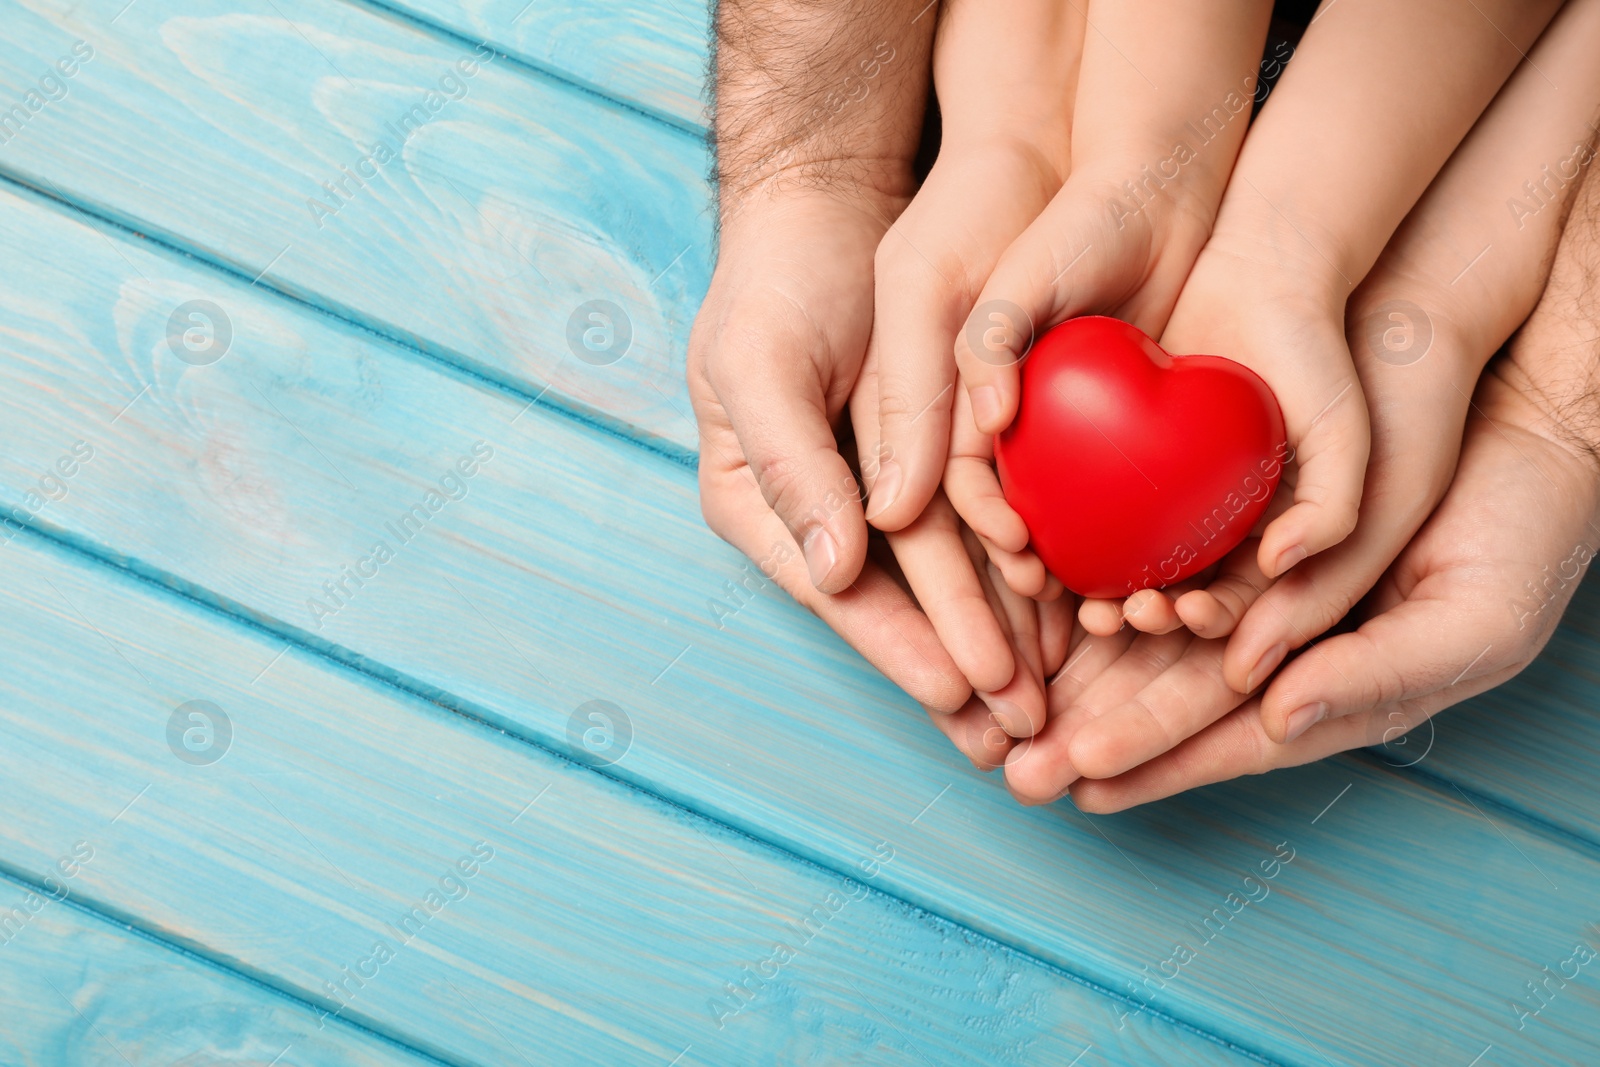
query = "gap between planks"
x=164 y=584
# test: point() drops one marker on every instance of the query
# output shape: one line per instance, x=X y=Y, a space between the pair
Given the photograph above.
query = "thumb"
x=1419 y=646
x=1081 y=255
x=777 y=407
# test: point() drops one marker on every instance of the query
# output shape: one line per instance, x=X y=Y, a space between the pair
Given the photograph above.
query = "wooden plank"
x=422 y=875
x=79 y=990
x=510 y=205
x=653 y=56
x=575 y=569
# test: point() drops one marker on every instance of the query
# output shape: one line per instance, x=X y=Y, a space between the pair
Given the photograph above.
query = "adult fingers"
x=1420 y=646
x=874 y=614
x=1235 y=745
x=1088 y=657
x=1179 y=702
x=777 y=406
x=973 y=731
x=1037 y=773
x=1055 y=633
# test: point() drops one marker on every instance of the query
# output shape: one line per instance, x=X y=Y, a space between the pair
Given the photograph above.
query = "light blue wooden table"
x=364 y=695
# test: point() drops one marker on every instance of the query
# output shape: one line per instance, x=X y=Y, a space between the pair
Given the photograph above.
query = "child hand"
x=1327 y=173
x=1418 y=369
x=1522 y=507
x=1003 y=153
x=1121 y=235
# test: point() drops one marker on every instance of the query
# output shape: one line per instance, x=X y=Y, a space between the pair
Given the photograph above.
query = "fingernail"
x=821 y=554
x=885 y=489
x=1288 y=558
x=1009 y=716
x=1302 y=719
x=1265 y=666
x=985 y=406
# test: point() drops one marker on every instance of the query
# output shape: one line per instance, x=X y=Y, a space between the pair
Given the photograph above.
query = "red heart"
x=1132 y=468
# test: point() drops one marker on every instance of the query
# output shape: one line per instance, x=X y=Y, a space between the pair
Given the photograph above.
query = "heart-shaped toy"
x=1134 y=469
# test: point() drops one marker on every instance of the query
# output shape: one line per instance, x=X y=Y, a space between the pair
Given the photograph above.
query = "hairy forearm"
x=818 y=94
x=1555 y=359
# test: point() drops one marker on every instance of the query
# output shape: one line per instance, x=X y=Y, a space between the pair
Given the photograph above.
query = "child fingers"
x=973 y=486
x=989 y=350
x=1023 y=572
x=941 y=574
x=1151 y=611
x=1215 y=610
x=1067 y=262
x=1332 y=460
x=1100 y=617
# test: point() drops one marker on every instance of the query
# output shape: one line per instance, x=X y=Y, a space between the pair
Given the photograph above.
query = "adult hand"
x=1452 y=617
x=1351 y=138
x=1417 y=371
x=816 y=126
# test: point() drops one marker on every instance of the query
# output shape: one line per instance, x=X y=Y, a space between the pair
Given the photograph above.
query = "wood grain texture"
x=652 y=55
x=577 y=568
x=528 y=909
x=81 y=990
x=510 y=202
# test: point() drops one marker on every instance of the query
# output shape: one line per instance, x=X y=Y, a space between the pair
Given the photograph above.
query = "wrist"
x=797 y=211
x=1266 y=230
x=1169 y=188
